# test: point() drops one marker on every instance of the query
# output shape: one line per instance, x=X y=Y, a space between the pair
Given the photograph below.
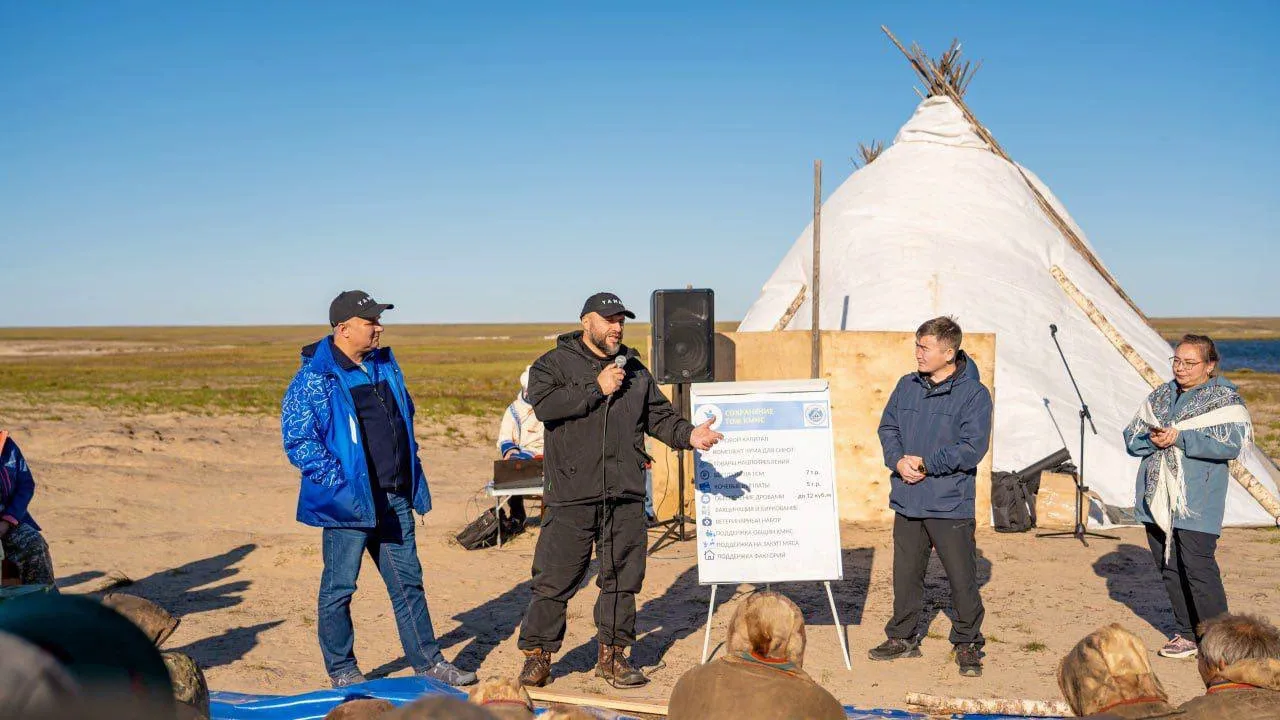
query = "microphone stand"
x=1080 y=533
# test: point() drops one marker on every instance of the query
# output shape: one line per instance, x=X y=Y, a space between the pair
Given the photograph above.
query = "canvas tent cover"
x=940 y=225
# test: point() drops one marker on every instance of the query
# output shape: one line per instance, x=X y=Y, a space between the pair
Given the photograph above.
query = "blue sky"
x=241 y=162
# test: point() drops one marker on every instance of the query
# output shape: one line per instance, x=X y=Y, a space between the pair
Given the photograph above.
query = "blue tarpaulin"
x=401 y=690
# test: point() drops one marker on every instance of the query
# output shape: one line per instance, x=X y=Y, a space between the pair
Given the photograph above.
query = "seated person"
x=1240 y=664
x=520 y=438
x=20 y=536
x=760 y=676
x=503 y=698
x=1107 y=675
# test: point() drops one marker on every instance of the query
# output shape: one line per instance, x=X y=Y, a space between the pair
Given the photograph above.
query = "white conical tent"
x=940 y=225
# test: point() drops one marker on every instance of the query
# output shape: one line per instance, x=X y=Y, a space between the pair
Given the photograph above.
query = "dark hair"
x=945 y=328
x=1208 y=348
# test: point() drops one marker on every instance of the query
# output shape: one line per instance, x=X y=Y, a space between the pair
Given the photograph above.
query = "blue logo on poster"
x=706 y=522
x=815 y=415
x=705 y=474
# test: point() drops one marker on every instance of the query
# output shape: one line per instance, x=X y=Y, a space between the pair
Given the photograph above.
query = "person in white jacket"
x=520 y=438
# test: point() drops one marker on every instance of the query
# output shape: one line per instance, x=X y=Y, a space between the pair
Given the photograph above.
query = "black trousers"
x=617 y=530
x=1191 y=577
x=913 y=539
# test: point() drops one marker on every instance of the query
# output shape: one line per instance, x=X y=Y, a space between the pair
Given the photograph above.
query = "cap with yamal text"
x=355 y=303
x=606 y=304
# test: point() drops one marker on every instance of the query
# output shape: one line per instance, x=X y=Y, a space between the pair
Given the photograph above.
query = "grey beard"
x=602 y=341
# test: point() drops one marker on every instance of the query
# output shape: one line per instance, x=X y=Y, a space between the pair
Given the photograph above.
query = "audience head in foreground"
x=1108 y=672
x=1239 y=662
x=761 y=674
x=503 y=698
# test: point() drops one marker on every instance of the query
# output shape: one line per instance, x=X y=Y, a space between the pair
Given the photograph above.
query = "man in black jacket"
x=597 y=402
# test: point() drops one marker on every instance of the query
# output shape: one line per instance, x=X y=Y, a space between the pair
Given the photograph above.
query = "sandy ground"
x=200 y=512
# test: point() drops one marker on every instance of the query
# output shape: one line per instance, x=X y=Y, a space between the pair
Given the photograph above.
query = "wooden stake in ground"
x=644 y=708
x=1238 y=470
x=991 y=706
x=815 y=330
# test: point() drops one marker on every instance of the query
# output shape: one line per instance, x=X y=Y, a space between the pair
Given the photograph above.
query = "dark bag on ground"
x=482 y=532
x=1013 y=495
x=1013 y=502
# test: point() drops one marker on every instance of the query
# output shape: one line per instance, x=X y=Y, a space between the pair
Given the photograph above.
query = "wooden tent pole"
x=936 y=704
x=930 y=73
x=1237 y=468
x=791 y=310
x=815 y=328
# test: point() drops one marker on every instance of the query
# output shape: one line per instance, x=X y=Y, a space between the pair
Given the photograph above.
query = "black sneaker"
x=894 y=648
x=969 y=658
x=347 y=679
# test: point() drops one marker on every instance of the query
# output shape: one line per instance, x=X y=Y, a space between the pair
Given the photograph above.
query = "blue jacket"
x=322 y=439
x=1204 y=467
x=949 y=426
x=17 y=486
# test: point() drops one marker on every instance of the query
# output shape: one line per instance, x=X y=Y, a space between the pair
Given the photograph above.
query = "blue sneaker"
x=449 y=674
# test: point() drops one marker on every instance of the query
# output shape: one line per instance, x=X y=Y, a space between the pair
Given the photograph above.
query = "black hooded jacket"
x=594 y=446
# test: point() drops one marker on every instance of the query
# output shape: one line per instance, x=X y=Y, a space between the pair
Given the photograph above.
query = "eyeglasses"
x=1180 y=363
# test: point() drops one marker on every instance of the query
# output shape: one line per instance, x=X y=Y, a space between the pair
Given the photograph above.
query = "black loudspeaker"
x=684 y=326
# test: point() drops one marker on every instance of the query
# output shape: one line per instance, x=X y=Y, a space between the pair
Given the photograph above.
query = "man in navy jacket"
x=347 y=423
x=935 y=429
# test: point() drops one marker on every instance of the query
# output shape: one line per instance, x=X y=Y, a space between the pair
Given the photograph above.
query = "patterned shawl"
x=1216 y=410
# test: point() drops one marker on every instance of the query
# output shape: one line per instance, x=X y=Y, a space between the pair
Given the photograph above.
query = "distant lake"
x=1257 y=355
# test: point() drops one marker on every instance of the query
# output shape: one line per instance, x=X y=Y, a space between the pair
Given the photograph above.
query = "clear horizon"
x=239 y=164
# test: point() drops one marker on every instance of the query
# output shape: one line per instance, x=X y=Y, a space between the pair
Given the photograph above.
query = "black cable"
x=613 y=560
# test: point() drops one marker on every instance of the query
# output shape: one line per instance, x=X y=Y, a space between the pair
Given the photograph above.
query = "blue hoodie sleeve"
x=890 y=432
x=1138 y=444
x=975 y=436
x=304 y=417
x=19 y=479
x=1199 y=445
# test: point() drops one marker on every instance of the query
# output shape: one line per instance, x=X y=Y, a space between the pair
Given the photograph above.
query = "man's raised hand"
x=703 y=437
x=610 y=379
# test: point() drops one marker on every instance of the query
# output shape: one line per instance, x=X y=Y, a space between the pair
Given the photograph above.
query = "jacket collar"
x=323 y=357
x=966 y=371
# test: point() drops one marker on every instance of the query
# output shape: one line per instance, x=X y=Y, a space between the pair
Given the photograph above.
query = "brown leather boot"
x=614 y=667
x=537 y=668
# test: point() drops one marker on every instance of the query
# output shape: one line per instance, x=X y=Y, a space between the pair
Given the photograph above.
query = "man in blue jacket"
x=935 y=429
x=20 y=536
x=347 y=422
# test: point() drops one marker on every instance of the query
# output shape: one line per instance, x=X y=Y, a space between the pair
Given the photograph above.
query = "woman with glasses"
x=1186 y=432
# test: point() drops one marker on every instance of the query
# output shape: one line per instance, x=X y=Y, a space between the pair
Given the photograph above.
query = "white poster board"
x=766 y=494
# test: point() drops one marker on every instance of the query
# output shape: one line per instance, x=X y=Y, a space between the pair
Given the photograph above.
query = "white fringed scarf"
x=1216 y=410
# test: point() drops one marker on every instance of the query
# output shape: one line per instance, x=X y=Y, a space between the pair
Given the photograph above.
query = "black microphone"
x=1053 y=329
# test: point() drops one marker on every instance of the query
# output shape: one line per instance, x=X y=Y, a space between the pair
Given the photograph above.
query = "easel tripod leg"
x=835 y=617
x=706 y=638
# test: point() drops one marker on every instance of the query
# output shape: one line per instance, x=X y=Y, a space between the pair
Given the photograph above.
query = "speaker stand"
x=674 y=527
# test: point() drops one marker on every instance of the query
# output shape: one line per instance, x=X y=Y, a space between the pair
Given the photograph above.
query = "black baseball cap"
x=606 y=304
x=355 y=303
